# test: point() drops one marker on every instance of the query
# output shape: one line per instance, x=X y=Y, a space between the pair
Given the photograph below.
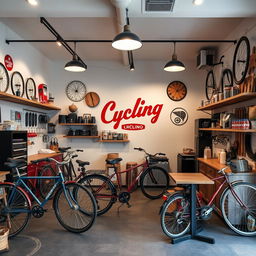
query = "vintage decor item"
x=179 y=116
x=176 y=90
x=76 y=90
x=42 y=93
x=72 y=108
x=92 y=99
x=17 y=84
x=210 y=85
x=30 y=89
x=4 y=78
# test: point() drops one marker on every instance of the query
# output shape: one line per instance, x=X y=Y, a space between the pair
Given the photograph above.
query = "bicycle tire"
x=106 y=196
x=175 y=216
x=154 y=182
x=234 y=215
x=242 y=44
x=15 y=210
x=210 y=85
x=80 y=218
x=45 y=185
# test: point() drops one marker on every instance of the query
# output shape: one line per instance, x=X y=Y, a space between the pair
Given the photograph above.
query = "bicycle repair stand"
x=193 y=226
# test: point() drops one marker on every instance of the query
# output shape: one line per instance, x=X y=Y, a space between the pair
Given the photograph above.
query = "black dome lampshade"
x=75 y=65
x=126 y=41
x=174 y=65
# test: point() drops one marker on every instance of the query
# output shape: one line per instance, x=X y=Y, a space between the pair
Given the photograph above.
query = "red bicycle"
x=237 y=201
x=153 y=180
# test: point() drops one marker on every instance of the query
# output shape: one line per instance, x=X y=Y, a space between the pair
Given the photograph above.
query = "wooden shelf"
x=77 y=123
x=114 y=141
x=81 y=137
x=16 y=99
x=227 y=130
x=231 y=100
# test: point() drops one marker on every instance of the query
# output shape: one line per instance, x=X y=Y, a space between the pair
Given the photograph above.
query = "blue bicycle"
x=73 y=204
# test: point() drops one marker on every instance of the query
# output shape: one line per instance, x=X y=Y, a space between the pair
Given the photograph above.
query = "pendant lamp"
x=126 y=41
x=174 y=65
x=75 y=65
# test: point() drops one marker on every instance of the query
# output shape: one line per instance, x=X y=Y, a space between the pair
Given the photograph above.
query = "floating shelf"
x=16 y=99
x=231 y=100
x=77 y=123
x=82 y=137
x=227 y=130
x=114 y=141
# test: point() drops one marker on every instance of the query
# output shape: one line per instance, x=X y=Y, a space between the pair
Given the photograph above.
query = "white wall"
x=113 y=81
x=30 y=63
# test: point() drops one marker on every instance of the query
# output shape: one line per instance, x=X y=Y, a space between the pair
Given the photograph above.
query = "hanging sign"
x=179 y=116
x=110 y=114
x=8 y=62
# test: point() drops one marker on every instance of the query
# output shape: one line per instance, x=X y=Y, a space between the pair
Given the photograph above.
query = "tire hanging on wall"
x=248 y=147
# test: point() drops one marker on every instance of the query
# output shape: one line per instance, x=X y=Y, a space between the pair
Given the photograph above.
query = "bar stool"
x=131 y=175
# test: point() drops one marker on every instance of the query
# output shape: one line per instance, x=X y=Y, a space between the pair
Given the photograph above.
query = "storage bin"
x=4 y=232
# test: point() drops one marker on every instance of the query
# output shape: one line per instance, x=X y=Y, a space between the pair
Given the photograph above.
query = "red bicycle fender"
x=21 y=189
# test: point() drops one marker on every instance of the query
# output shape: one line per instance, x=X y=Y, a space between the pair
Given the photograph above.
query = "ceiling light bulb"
x=58 y=43
x=33 y=2
x=198 y=2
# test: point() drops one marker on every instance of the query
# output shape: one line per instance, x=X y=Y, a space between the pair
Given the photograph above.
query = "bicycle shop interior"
x=130 y=86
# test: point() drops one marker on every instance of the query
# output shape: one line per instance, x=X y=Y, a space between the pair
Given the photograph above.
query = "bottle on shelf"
x=207 y=153
x=223 y=156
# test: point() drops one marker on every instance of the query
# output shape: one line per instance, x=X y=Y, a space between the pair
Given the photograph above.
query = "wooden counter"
x=41 y=156
x=214 y=163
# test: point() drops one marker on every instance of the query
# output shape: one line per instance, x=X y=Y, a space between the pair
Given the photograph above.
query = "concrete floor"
x=135 y=231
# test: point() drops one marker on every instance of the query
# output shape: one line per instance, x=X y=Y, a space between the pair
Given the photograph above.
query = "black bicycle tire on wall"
x=210 y=73
x=226 y=72
x=247 y=43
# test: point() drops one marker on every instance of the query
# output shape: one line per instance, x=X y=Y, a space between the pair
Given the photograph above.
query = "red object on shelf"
x=42 y=92
x=31 y=134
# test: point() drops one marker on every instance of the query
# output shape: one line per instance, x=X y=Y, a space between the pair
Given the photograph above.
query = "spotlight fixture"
x=58 y=42
x=174 y=65
x=75 y=65
x=32 y=2
x=132 y=68
x=126 y=41
x=197 y=2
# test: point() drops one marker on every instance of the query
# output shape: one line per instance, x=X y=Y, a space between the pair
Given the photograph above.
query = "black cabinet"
x=186 y=163
x=13 y=144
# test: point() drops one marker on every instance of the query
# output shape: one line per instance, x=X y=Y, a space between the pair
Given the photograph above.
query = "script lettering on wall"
x=111 y=114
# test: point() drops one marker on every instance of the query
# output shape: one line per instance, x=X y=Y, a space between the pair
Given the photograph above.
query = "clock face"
x=92 y=99
x=176 y=90
x=76 y=91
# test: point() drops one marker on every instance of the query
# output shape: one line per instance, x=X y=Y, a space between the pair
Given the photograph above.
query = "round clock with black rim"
x=30 y=88
x=176 y=90
x=76 y=90
x=17 y=84
x=4 y=78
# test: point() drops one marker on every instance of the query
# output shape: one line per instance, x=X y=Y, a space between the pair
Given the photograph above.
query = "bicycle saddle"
x=13 y=163
x=82 y=163
x=113 y=161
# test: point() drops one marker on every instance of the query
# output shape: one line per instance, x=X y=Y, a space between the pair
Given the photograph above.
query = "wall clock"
x=92 y=99
x=30 y=88
x=176 y=90
x=4 y=78
x=17 y=84
x=76 y=90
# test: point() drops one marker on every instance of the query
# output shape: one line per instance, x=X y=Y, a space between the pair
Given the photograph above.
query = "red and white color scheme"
x=42 y=92
x=8 y=62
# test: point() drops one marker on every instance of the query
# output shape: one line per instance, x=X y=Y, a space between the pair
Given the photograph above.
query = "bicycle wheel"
x=210 y=85
x=154 y=182
x=240 y=217
x=45 y=185
x=81 y=216
x=175 y=216
x=241 y=59
x=15 y=208
x=102 y=189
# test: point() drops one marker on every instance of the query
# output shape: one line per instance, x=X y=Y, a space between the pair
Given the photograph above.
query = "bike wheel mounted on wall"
x=226 y=79
x=241 y=59
x=210 y=85
x=4 y=78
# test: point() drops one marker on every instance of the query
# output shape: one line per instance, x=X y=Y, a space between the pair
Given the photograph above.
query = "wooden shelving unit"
x=81 y=137
x=16 y=99
x=113 y=141
x=229 y=101
x=227 y=130
x=70 y=124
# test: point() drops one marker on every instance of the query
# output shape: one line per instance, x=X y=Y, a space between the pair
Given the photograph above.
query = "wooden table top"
x=41 y=156
x=190 y=178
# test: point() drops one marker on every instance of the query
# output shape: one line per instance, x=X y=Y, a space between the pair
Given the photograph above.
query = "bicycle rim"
x=154 y=182
x=240 y=219
x=14 y=209
x=81 y=216
x=175 y=216
x=102 y=190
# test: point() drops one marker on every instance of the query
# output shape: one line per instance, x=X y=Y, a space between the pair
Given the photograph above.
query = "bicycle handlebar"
x=222 y=170
x=150 y=155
